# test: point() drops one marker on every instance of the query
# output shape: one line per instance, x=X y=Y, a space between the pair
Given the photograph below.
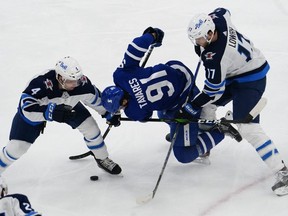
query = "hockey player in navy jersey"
x=15 y=204
x=235 y=71
x=163 y=88
x=57 y=95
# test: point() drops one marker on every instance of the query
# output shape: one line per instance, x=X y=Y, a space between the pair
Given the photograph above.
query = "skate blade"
x=282 y=191
x=202 y=160
x=144 y=199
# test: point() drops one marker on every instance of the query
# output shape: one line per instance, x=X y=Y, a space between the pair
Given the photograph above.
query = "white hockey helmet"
x=69 y=68
x=199 y=26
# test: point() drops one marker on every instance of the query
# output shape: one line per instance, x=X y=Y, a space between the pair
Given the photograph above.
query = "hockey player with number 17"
x=58 y=95
x=235 y=71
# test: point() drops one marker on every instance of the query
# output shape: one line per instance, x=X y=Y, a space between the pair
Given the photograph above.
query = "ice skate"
x=203 y=159
x=280 y=187
x=109 y=166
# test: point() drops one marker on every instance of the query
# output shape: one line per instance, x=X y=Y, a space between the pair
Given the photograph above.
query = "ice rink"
x=36 y=33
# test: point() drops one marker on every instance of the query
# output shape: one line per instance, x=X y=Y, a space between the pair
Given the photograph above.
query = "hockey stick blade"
x=76 y=157
x=86 y=154
x=144 y=199
x=257 y=109
x=252 y=114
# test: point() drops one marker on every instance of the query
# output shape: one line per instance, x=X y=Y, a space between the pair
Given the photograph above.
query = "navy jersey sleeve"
x=39 y=89
x=212 y=56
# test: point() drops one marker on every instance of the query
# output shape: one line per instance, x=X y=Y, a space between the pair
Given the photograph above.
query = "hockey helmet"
x=111 y=98
x=199 y=26
x=69 y=68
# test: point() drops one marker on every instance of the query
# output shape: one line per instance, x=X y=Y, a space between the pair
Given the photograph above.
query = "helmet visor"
x=72 y=83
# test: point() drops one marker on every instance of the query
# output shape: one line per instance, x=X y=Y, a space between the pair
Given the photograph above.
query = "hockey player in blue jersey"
x=163 y=88
x=235 y=71
x=56 y=95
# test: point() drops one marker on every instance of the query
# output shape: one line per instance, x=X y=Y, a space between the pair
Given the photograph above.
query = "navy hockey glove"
x=188 y=112
x=60 y=113
x=158 y=35
x=112 y=119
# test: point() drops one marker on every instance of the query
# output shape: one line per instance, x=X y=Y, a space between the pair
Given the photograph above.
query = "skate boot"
x=203 y=159
x=280 y=187
x=229 y=130
x=109 y=166
x=207 y=154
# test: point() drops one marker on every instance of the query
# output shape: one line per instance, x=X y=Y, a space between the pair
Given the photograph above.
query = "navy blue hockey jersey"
x=232 y=57
x=44 y=89
x=16 y=205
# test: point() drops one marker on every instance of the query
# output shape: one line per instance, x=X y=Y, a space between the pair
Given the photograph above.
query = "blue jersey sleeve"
x=136 y=50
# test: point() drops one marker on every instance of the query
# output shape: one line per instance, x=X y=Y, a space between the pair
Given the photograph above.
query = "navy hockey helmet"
x=111 y=98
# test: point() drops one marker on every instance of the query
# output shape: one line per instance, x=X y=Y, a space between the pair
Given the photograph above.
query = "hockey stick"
x=147 y=56
x=251 y=115
x=147 y=198
x=86 y=154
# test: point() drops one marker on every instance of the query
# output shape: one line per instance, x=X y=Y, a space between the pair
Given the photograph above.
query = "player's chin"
x=70 y=88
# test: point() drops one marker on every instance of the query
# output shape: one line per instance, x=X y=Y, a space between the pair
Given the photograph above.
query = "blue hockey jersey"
x=161 y=87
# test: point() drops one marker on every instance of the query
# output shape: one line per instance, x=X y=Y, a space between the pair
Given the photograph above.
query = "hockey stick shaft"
x=252 y=114
x=147 y=56
x=166 y=159
x=197 y=69
x=86 y=154
x=145 y=199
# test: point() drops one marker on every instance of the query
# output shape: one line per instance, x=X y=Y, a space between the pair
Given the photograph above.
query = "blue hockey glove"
x=158 y=35
x=60 y=113
x=112 y=119
x=188 y=112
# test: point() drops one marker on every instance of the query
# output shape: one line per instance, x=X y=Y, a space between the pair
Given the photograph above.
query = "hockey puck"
x=94 y=178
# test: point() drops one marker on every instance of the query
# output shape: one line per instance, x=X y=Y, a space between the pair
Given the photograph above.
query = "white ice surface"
x=36 y=33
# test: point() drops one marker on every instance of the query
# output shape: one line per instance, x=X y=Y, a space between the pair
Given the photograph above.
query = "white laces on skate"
x=108 y=163
x=282 y=176
x=280 y=187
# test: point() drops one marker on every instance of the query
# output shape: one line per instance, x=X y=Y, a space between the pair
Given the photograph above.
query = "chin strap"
x=209 y=41
x=61 y=83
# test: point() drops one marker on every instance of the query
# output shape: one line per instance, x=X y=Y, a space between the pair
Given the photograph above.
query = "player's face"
x=201 y=42
x=124 y=103
x=70 y=84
